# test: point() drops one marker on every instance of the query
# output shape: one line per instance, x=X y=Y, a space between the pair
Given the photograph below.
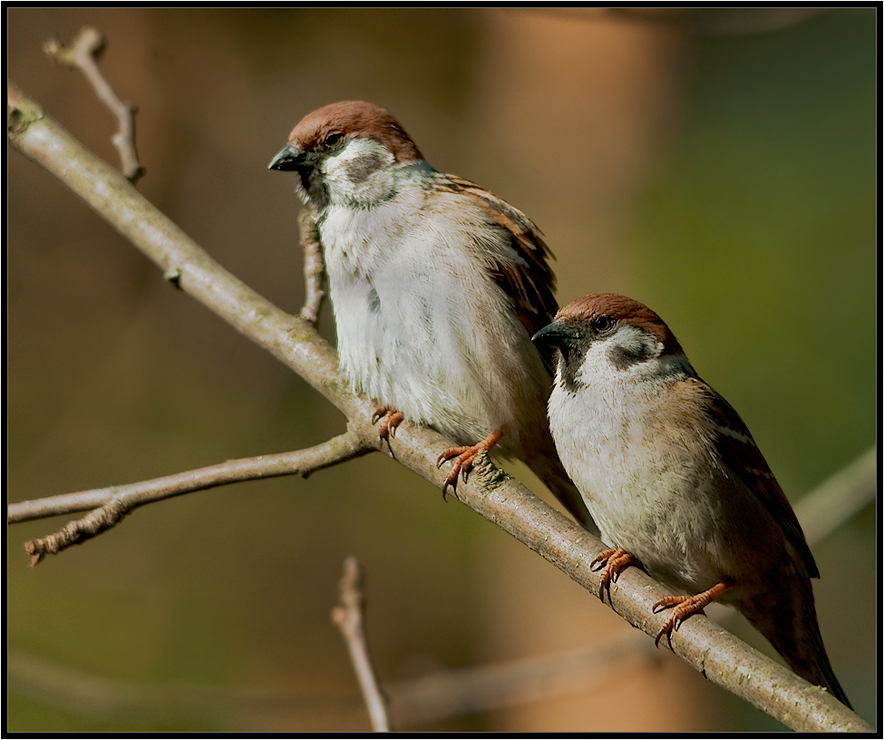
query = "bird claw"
x=612 y=562
x=390 y=419
x=685 y=606
x=683 y=610
x=464 y=459
x=461 y=467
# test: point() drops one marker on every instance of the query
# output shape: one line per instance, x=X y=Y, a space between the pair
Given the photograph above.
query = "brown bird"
x=437 y=286
x=674 y=480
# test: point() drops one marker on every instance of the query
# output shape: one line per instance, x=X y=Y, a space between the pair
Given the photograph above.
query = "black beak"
x=289 y=158
x=556 y=335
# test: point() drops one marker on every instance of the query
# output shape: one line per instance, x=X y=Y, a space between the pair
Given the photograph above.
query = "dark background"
x=717 y=165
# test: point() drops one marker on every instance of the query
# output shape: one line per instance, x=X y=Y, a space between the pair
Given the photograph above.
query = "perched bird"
x=674 y=480
x=437 y=286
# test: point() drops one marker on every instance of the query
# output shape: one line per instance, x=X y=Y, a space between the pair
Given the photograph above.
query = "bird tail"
x=792 y=628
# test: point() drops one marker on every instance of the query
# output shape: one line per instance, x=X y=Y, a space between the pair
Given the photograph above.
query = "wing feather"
x=528 y=279
x=741 y=455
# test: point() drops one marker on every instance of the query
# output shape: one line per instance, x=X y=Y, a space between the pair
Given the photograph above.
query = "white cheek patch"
x=630 y=346
x=363 y=148
x=632 y=339
x=360 y=173
x=624 y=351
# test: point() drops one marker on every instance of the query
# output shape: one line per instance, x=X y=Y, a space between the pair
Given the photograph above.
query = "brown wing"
x=528 y=280
x=741 y=455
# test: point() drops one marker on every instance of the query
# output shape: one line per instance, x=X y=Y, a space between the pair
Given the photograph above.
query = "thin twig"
x=440 y=695
x=348 y=616
x=718 y=655
x=451 y=693
x=83 y=54
x=314 y=266
x=108 y=506
x=839 y=498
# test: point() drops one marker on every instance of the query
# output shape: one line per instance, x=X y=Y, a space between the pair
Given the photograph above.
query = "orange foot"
x=614 y=561
x=686 y=606
x=465 y=457
x=390 y=418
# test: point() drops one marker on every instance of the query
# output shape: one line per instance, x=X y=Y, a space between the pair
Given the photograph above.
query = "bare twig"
x=83 y=54
x=717 y=654
x=452 y=693
x=92 y=696
x=314 y=267
x=348 y=617
x=440 y=695
x=109 y=505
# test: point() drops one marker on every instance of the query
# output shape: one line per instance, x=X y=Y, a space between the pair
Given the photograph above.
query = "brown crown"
x=355 y=118
x=624 y=309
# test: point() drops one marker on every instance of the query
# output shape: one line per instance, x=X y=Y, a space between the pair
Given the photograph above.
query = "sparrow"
x=437 y=286
x=675 y=481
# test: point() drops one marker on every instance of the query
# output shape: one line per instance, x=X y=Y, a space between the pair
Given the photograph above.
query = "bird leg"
x=390 y=418
x=686 y=606
x=464 y=459
x=614 y=561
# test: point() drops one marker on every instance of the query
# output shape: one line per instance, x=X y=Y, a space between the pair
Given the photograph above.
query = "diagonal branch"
x=443 y=694
x=454 y=692
x=713 y=651
x=839 y=498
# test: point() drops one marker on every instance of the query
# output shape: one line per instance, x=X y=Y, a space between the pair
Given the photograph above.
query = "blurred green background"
x=717 y=165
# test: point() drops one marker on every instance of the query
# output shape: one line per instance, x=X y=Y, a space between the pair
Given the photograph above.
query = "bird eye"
x=602 y=324
x=333 y=140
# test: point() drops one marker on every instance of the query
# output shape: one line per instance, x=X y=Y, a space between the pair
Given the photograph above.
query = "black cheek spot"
x=362 y=168
x=623 y=357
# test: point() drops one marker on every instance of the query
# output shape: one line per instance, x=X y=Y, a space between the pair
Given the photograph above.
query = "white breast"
x=420 y=323
x=639 y=488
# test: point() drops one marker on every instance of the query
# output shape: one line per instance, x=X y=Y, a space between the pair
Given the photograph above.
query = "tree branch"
x=83 y=54
x=314 y=265
x=452 y=693
x=108 y=506
x=348 y=617
x=717 y=654
x=440 y=695
x=840 y=497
